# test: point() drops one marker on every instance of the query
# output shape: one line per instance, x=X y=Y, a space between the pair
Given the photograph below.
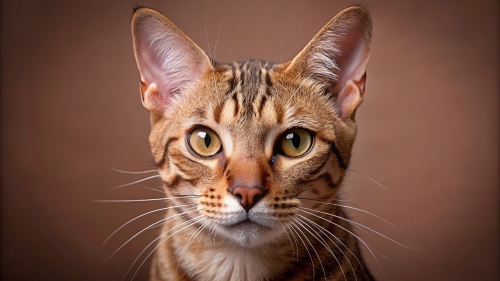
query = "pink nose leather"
x=248 y=196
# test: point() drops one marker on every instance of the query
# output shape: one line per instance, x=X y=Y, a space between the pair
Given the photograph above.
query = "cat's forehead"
x=255 y=96
x=249 y=80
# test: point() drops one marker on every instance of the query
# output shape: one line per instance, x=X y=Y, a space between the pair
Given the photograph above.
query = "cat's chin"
x=249 y=234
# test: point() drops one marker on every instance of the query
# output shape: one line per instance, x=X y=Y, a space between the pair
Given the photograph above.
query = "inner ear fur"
x=337 y=57
x=167 y=59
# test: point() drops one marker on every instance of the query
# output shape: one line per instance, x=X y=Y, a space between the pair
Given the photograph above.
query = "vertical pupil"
x=295 y=138
x=208 y=140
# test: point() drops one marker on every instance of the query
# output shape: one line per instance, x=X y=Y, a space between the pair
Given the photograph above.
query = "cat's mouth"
x=242 y=222
x=248 y=233
x=246 y=222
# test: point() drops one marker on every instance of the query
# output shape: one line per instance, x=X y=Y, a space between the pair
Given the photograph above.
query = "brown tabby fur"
x=250 y=105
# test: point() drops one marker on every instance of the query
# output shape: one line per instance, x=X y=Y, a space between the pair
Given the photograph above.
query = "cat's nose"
x=248 y=196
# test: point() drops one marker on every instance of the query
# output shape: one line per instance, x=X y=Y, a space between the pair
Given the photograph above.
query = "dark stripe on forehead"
x=217 y=112
x=280 y=114
x=236 y=104
x=232 y=84
x=269 y=84
x=268 y=66
x=262 y=103
x=253 y=72
x=242 y=69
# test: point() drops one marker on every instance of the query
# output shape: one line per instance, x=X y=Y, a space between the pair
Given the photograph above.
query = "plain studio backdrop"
x=70 y=110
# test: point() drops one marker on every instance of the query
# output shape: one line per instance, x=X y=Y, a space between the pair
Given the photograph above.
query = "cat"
x=252 y=154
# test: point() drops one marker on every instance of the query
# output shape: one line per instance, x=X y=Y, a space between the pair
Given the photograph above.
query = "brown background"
x=70 y=110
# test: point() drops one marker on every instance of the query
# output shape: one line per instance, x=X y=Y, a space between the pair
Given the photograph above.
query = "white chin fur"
x=249 y=234
x=263 y=227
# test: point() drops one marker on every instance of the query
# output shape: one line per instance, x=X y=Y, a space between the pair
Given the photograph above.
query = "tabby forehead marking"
x=246 y=89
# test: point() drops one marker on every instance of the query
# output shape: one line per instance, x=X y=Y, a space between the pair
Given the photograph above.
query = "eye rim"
x=279 y=151
x=193 y=151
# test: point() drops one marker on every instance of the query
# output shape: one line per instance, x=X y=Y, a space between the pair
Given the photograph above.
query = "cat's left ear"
x=168 y=60
x=337 y=56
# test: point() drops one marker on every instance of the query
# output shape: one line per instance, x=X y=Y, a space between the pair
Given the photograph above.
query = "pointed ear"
x=168 y=60
x=337 y=56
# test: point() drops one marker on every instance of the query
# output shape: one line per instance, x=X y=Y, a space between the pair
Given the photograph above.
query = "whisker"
x=379 y=184
x=265 y=252
x=340 y=200
x=134 y=182
x=362 y=229
x=154 y=189
x=286 y=233
x=323 y=242
x=186 y=195
x=340 y=241
x=373 y=248
x=206 y=34
x=190 y=241
x=141 y=200
x=302 y=83
x=133 y=172
x=220 y=28
x=144 y=229
x=312 y=262
x=361 y=240
x=208 y=234
x=363 y=226
x=150 y=212
x=212 y=231
x=357 y=209
x=296 y=245
x=305 y=236
x=230 y=243
x=281 y=46
x=319 y=227
x=195 y=220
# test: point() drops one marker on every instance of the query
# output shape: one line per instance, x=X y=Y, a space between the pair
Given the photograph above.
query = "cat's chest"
x=213 y=262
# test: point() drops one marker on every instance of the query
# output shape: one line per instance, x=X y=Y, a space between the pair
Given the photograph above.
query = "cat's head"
x=249 y=141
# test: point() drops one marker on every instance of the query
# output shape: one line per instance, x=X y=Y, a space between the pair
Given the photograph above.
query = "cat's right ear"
x=167 y=59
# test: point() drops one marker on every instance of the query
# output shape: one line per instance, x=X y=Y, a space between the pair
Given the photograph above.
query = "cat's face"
x=243 y=143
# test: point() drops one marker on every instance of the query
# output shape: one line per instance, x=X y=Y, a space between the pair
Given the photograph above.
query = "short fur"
x=295 y=231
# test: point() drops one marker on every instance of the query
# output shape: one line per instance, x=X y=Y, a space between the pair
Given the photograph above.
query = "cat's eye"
x=295 y=142
x=204 y=142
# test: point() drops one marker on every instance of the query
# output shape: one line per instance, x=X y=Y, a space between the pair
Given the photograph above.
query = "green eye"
x=295 y=142
x=204 y=142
